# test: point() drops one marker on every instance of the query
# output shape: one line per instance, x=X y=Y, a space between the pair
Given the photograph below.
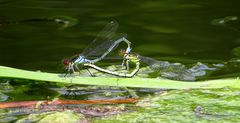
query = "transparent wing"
x=154 y=64
x=103 y=40
x=148 y=60
x=112 y=43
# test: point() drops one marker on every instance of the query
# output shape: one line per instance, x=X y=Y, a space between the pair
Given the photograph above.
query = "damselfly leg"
x=127 y=65
x=74 y=67
x=92 y=75
x=69 y=69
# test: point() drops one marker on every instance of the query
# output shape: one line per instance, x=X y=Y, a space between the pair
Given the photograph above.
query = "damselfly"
x=101 y=46
x=177 y=71
x=166 y=69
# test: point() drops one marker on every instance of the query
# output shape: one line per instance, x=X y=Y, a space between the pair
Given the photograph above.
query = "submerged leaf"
x=201 y=105
x=54 y=117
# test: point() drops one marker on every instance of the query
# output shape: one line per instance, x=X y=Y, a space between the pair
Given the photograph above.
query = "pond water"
x=176 y=31
x=188 y=38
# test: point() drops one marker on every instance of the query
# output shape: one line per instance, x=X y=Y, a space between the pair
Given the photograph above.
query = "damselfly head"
x=66 y=62
x=122 y=52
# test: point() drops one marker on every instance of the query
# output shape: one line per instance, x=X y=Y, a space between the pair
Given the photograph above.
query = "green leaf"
x=7 y=72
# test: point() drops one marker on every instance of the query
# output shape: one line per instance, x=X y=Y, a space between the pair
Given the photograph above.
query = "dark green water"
x=183 y=31
x=176 y=30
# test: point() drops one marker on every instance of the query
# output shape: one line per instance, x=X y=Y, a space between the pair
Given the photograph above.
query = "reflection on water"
x=37 y=35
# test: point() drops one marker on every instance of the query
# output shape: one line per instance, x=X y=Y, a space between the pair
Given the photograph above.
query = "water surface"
x=176 y=30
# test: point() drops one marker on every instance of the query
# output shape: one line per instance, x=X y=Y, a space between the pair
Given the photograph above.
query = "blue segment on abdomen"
x=81 y=59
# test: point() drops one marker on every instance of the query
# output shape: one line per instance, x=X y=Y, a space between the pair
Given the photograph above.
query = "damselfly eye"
x=66 y=61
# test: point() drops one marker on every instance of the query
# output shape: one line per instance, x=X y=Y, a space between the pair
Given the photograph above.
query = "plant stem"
x=7 y=72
